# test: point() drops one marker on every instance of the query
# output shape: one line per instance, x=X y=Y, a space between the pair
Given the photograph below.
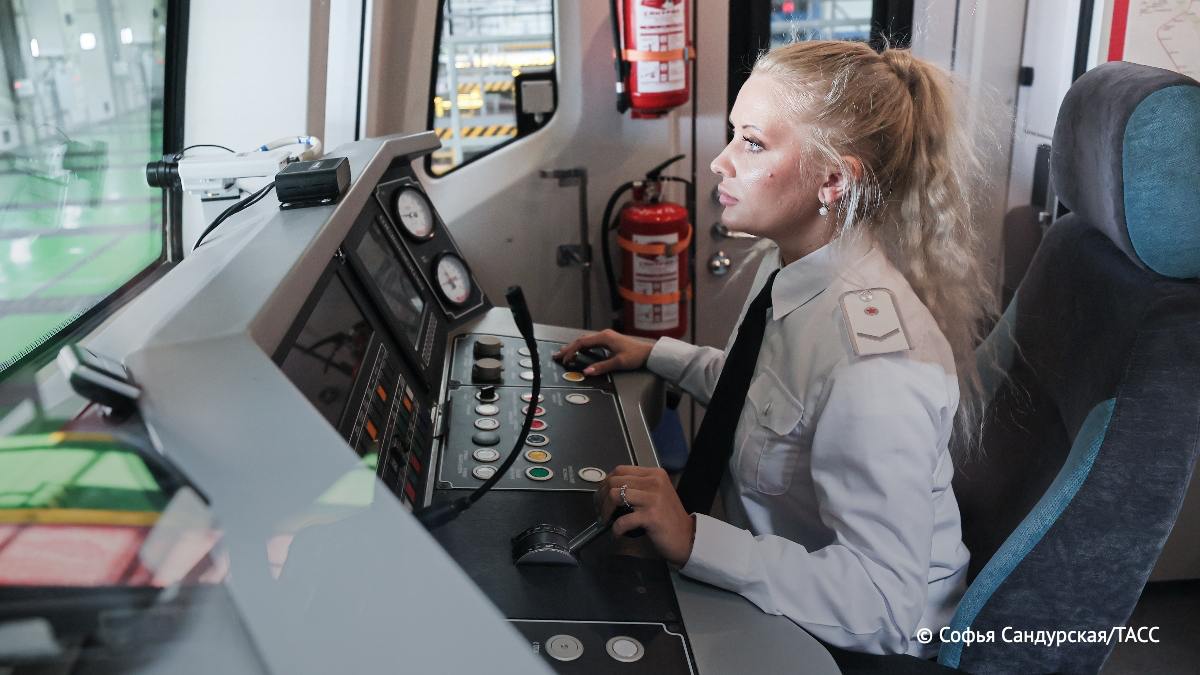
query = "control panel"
x=384 y=350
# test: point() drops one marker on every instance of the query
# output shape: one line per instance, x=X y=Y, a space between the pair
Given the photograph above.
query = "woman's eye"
x=752 y=145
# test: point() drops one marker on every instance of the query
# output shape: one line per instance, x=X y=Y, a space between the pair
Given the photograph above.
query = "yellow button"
x=538 y=456
x=573 y=376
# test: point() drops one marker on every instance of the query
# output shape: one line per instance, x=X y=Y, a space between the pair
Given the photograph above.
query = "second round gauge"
x=453 y=279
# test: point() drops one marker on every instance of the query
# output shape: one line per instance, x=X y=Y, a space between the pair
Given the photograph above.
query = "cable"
x=206 y=145
x=232 y=210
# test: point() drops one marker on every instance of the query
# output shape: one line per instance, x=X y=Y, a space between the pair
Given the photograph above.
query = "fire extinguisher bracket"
x=657 y=249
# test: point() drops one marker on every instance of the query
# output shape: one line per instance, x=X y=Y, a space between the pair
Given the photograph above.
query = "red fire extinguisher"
x=652 y=45
x=654 y=237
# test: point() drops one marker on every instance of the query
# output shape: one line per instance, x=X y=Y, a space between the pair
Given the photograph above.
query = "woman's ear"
x=837 y=182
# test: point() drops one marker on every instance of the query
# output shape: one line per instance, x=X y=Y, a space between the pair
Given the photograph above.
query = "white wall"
x=247 y=78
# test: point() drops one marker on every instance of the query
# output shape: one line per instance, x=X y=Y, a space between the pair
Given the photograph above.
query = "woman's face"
x=768 y=186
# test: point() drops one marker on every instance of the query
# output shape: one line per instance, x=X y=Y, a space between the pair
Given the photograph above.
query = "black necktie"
x=714 y=441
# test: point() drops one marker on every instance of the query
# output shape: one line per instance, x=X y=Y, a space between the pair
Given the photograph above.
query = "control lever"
x=546 y=544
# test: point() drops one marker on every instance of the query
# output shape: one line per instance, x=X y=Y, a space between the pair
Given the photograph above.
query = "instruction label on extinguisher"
x=659 y=26
x=652 y=276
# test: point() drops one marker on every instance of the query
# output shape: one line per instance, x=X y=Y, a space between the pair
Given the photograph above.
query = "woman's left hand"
x=656 y=508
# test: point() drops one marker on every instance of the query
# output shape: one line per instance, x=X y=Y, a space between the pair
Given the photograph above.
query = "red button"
x=537 y=425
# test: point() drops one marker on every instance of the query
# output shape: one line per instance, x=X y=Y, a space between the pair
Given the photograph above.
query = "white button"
x=577 y=399
x=487 y=409
x=484 y=472
x=486 y=454
x=487 y=424
x=524 y=351
x=625 y=649
x=527 y=375
x=591 y=474
x=526 y=363
x=564 y=647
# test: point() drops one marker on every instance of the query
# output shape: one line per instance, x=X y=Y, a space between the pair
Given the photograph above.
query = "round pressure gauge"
x=414 y=213
x=453 y=279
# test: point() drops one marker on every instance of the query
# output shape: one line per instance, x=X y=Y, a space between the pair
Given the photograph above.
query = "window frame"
x=42 y=352
x=430 y=115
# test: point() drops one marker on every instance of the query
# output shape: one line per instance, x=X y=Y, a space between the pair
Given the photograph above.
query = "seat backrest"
x=1093 y=380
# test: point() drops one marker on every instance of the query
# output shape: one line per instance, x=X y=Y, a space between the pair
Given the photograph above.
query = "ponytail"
x=896 y=114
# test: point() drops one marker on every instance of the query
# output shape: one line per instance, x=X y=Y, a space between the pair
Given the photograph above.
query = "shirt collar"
x=804 y=279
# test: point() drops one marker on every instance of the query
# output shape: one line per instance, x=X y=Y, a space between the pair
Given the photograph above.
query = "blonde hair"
x=896 y=115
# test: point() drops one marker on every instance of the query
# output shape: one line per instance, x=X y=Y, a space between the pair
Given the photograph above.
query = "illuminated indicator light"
x=538 y=456
x=538 y=412
x=87 y=41
x=126 y=36
x=538 y=425
x=34 y=51
x=573 y=376
x=382 y=393
x=410 y=492
x=871 y=311
x=372 y=431
x=539 y=473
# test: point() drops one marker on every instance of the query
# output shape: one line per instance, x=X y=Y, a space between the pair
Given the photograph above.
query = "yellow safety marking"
x=489 y=87
x=495 y=130
x=77 y=517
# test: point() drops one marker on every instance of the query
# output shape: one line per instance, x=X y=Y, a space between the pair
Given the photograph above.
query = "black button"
x=486 y=438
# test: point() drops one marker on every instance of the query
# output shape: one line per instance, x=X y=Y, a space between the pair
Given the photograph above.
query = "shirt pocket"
x=772 y=445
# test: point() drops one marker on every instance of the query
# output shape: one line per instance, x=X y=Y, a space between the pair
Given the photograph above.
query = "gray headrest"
x=1126 y=158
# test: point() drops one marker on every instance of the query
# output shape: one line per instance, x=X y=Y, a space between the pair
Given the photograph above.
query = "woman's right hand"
x=627 y=353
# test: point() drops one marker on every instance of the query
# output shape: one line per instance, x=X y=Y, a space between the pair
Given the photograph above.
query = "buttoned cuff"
x=720 y=553
x=669 y=357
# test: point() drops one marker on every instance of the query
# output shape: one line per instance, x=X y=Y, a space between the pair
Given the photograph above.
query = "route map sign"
x=1160 y=33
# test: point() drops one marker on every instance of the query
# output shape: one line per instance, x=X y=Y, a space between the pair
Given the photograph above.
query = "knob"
x=489 y=346
x=487 y=370
x=719 y=264
x=487 y=394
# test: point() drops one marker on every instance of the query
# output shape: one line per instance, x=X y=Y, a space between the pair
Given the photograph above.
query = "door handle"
x=719 y=231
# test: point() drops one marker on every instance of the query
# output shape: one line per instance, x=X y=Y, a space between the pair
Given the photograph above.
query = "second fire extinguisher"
x=650 y=40
x=654 y=237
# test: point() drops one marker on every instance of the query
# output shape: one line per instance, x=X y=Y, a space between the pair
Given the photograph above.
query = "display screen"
x=326 y=357
x=399 y=290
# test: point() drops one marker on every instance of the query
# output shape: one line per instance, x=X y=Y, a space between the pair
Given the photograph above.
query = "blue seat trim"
x=1035 y=525
x=1161 y=167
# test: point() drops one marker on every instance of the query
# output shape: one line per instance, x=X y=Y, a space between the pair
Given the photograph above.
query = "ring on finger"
x=624 y=497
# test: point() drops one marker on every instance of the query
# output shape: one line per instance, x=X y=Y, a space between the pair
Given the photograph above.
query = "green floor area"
x=77 y=221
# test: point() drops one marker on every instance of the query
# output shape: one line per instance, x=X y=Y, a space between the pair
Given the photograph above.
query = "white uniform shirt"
x=839 y=512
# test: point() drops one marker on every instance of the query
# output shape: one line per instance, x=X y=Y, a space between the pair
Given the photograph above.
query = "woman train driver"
x=828 y=420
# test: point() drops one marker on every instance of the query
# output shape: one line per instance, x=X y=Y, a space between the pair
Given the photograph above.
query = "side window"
x=83 y=114
x=494 y=77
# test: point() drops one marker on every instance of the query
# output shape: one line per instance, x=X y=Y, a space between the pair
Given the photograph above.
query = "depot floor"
x=77 y=221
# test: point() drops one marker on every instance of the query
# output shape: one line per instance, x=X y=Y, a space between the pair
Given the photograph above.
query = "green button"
x=538 y=473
